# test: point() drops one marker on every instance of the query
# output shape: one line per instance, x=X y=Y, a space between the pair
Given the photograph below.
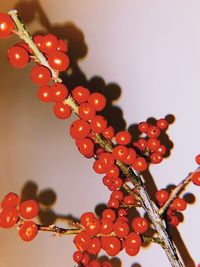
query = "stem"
x=57 y=230
x=176 y=191
x=135 y=177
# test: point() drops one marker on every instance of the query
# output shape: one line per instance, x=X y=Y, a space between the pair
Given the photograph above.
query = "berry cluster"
x=13 y=212
x=111 y=233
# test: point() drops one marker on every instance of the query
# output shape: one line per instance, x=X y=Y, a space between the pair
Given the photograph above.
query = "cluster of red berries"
x=111 y=233
x=13 y=212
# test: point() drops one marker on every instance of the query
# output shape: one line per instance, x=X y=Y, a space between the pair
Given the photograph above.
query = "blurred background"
x=145 y=57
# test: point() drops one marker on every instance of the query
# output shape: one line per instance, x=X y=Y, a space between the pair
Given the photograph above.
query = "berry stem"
x=57 y=230
x=176 y=191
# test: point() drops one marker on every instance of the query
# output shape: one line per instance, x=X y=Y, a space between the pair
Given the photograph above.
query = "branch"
x=57 y=230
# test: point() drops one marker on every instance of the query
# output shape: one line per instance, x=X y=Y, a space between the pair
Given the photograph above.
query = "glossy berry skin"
x=86 y=146
x=82 y=241
x=62 y=111
x=40 y=75
x=79 y=129
x=113 y=172
x=162 y=124
x=140 y=225
x=95 y=246
x=99 y=166
x=58 y=60
x=129 y=200
x=143 y=127
x=86 y=217
x=153 y=131
x=140 y=164
x=28 y=231
x=113 y=203
x=156 y=158
x=93 y=227
x=162 y=196
x=123 y=138
x=196 y=178
x=108 y=159
x=153 y=143
x=80 y=94
x=85 y=259
x=97 y=100
x=62 y=46
x=6 y=25
x=133 y=240
x=78 y=256
x=117 y=195
x=28 y=209
x=106 y=226
x=18 y=57
x=121 y=228
x=86 y=111
x=120 y=152
x=174 y=221
x=109 y=214
x=44 y=93
x=59 y=92
x=10 y=200
x=9 y=217
x=49 y=43
x=130 y=157
x=109 y=132
x=112 y=245
x=38 y=40
x=179 y=204
x=98 y=124
x=197 y=159
x=132 y=251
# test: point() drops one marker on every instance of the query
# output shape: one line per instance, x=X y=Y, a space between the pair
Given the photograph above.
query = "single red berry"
x=18 y=57
x=6 y=25
x=79 y=129
x=162 y=124
x=95 y=246
x=153 y=143
x=142 y=144
x=161 y=149
x=173 y=220
x=140 y=225
x=133 y=240
x=143 y=127
x=10 y=200
x=82 y=241
x=109 y=214
x=122 y=213
x=85 y=259
x=179 y=204
x=129 y=200
x=44 y=93
x=62 y=46
x=49 y=43
x=156 y=158
x=95 y=263
x=153 y=131
x=113 y=172
x=86 y=217
x=109 y=132
x=115 y=183
x=117 y=194
x=120 y=152
x=196 y=178
x=62 y=111
x=197 y=159
x=78 y=256
x=99 y=166
x=93 y=226
x=113 y=203
x=123 y=138
x=140 y=164
x=132 y=251
x=38 y=40
x=58 y=60
x=108 y=159
x=28 y=231
x=98 y=124
x=131 y=156
x=107 y=180
x=40 y=75
x=162 y=196
x=80 y=94
x=112 y=245
x=9 y=217
x=86 y=146
x=98 y=101
x=25 y=46
x=29 y=209
x=59 y=92
x=106 y=226
x=121 y=228
x=86 y=111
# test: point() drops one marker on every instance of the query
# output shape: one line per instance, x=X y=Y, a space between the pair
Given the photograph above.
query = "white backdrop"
x=151 y=51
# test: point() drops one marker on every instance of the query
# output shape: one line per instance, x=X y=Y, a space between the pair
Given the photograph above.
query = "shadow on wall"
x=77 y=49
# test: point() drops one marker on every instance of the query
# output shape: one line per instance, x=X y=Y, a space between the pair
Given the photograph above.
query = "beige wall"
x=150 y=50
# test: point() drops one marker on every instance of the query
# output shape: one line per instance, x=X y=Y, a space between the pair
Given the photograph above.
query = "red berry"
x=153 y=131
x=121 y=228
x=95 y=263
x=109 y=214
x=156 y=158
x=106 y=264
x=18 y=57
x=133 y=240
x=6 y=25
x=10 y=200
x=122 y=213
x=86 y=146
x=82 y=241
x=142 y=144
x=161 y=149
x=86 y=217
x=109 y=132
x=131 y=156
x=95 y=246
x=179 y=204
x=162 y=124
x=117 y=195
x=115 y=183
x=98 y=124
x=107 y=180
x=196 y=178
x=80 y=94
x=112 y=245
x=28 y=230
x=106 y=226
x=162 y=196
x=140 y=164
x=153 y=143
x=98 y=101
x=143 y=127
x=197 y=159
x=29 y=209
x=123 y=138
x=38 y=40
x=62 y=46
x=49 y=43
x=99 y=166
x=108 y=159
x=132 y=251
x=9 y=217
x=40 y=75
x=113 y=172
x=85 y=259
x=59 y=92
x=44 y=93
x=62 y=111
x=78 y=256
x=129 y=200
x=113 y=203
x=93 y=226
x=79 y=129
x=173 y=220
x=58 y=60
x=86 y=111
x=140 y=225
x=120 y=152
